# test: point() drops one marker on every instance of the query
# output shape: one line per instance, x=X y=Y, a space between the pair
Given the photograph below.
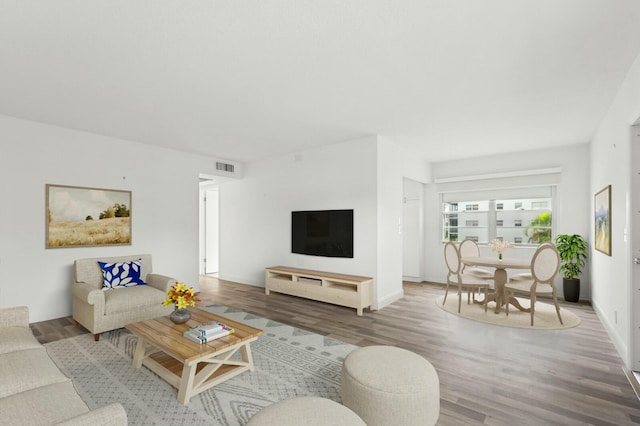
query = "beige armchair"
x=100 y=310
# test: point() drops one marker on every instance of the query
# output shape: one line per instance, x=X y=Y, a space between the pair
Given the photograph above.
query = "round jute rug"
x=545 y=317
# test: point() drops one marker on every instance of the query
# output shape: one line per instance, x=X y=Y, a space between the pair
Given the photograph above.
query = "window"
x=519 y=221
x=451 y=222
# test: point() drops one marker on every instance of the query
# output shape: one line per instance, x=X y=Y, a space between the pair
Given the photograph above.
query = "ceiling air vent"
x=225 y=167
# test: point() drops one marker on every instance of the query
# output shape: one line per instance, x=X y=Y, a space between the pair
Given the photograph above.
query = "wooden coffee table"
x=188 y=366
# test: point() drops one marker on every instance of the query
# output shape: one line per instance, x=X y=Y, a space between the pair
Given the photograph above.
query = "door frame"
x=207 y=231
x=634 y=249
x=406 y=231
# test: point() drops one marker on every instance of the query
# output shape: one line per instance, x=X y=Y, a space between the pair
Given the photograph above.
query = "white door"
x=635 y=248
x=412 y=231
x=203 y=240
x=211 y=231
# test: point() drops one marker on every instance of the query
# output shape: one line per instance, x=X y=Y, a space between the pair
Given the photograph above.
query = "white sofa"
x=33 y=391
x=99 y=311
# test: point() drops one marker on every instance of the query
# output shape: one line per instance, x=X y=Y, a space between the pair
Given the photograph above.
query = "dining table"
x=499 y=277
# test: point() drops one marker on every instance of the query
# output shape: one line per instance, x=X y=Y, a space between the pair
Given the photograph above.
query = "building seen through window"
x=521 y=221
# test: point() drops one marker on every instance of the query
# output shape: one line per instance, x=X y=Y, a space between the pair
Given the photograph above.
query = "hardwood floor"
x=489 y=375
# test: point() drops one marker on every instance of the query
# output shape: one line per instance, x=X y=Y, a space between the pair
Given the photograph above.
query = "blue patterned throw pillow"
x=122 y=274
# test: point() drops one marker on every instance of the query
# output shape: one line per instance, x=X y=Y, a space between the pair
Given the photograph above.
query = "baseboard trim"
x=618 y=343
x=381 y=303
x=632 y=377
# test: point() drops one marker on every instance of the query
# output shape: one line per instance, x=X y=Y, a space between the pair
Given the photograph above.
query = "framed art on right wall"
x=602 y=218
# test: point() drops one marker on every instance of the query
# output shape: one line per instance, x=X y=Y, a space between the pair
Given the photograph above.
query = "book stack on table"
x=207 y=332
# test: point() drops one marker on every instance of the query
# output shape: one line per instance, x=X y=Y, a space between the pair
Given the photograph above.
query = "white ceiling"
x=243 y=80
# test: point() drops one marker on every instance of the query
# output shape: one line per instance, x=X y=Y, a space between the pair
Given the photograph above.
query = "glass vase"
x=499 y=256
x=180 y=316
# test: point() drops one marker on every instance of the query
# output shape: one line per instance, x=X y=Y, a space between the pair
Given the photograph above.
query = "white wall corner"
x=388 y=299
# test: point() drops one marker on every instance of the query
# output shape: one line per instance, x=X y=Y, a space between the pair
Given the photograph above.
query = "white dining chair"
x=544 y=268
x=469 y=248
x=526 y=276
x=463 y=281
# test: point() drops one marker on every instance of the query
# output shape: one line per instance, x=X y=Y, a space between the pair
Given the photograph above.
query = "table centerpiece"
x=500 y=246
x=181 y=297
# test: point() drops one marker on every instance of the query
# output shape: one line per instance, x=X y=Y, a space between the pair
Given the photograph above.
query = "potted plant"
x=573 y=257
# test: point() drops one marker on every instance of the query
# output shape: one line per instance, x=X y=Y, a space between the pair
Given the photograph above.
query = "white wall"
x=394 y=164
x=571 y=215
x=255 y=212
x=164 y=185
x=610 y=165
x=255 y=219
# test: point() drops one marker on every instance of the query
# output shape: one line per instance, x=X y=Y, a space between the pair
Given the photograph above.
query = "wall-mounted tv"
x=326 y=233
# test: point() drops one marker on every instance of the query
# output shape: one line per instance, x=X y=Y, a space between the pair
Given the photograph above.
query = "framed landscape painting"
x=602 y=217
x=86 y=217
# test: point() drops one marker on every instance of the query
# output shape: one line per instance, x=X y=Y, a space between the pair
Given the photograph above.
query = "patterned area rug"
x=290 y=362
x=545 y=316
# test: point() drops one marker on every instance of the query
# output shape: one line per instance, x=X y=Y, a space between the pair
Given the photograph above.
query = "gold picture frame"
x=602 y=220
x=79 y=216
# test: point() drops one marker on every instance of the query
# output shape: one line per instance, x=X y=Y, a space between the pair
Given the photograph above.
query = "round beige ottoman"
x=387 y=386
x=308 y=411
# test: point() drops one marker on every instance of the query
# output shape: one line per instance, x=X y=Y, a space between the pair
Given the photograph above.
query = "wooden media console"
x=352 y=291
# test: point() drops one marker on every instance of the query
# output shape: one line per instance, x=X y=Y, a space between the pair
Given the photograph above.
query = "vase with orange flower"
x=181 y=297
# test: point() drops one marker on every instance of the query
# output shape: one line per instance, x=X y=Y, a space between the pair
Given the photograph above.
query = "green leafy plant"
x=539 y=231
x=573 y=254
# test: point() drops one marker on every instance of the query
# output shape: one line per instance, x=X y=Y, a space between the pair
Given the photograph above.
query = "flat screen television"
x=326 y=233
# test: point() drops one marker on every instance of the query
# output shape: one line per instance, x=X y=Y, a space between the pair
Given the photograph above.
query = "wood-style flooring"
x=489 y=375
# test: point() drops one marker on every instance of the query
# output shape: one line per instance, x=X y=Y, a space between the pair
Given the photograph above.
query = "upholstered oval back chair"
x=462 y=281
x=544 y=268
x=469 y=248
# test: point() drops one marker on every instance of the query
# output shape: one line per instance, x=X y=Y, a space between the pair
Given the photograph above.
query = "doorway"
x=412 y=231
x=209 y=227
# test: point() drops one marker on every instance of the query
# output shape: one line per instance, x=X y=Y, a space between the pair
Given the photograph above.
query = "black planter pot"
x=571 y=288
